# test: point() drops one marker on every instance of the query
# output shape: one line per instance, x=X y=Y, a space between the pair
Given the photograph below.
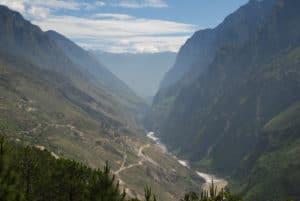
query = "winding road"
x=140 y=162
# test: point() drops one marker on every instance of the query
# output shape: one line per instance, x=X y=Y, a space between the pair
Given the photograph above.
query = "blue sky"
x=126 y=25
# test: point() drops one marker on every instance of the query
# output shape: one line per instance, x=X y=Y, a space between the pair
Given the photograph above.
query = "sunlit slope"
x=75 y=109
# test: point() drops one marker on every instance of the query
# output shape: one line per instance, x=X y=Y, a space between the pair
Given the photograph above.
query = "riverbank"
x=208 y=178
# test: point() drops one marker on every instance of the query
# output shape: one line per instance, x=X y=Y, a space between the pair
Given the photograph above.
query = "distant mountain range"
x=231 y=101
x=54 y=95
x=142 y=72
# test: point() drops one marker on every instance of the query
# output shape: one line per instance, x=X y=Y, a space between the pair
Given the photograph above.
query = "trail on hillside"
x=140 y=154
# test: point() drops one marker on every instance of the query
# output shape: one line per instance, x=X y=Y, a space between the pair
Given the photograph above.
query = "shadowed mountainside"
x=235 y=117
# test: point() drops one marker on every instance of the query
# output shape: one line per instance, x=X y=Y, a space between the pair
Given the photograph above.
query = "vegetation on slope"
x=56 y=96
x=196 y=55
x=31 y=174
x=239 y=117
x=275 y=161
x=81 y=79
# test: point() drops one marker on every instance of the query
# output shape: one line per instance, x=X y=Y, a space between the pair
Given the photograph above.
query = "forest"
x=30 y=174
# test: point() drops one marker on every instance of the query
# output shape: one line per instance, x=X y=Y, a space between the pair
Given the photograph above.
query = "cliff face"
x=219 y=119
x=199 y=51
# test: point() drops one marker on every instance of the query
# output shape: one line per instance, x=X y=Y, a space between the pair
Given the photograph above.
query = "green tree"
x=149 y=196
x=103 y=186
x=8 y=178
x=211 y=195
x=28 y=169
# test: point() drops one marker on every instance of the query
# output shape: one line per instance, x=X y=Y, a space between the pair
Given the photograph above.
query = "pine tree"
x=8 y=179
x=149 y=196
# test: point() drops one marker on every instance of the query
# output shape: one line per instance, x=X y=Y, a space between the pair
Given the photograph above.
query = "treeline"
x=29 y=174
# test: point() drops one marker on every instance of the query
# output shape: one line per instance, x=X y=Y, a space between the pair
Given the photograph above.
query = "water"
x=183 y=163
x=151 y=135
x=208 y=178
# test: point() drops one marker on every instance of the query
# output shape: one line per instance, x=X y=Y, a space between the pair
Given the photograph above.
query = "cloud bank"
x=113 y=32
x=141 y=4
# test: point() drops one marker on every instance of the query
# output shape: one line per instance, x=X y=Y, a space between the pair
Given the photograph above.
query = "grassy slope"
x=164 y=174
x=284 y=120
x=48 y=100
x=42 y=108
x=278 y=164
x=271 y=170
x=261 y=81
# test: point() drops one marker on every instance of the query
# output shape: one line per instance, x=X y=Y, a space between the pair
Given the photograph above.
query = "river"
x=219 y=182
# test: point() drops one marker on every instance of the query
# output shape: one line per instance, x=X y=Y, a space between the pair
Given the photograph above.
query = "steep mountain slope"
x=56 y=98
x=94 y=69
x=231 y=119
x=142 y=72
x=43 y=85
x=199 y=51
x=275 y=161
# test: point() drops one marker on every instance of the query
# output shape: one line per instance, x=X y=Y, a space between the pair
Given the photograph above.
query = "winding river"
x=219 y=182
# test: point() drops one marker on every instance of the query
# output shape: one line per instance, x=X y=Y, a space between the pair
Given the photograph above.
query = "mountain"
x=142 y=72
x=45 y=89
x=28 y=173
x=56 y=96
x=198 y=52
x=201 y=48
x=240 y=116
x=100 y=75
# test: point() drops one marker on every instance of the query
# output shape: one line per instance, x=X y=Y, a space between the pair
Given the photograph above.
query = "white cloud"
x=15 y=5
x=100 y=3
x=141 y=3
x=119 y=32
x=38 y=12
x=133 y=44
x=24 y=6
x=79 y=26
x=54 y=4
x=106 y=31
x=36 y=9
x=112 y=16
x=93 y=5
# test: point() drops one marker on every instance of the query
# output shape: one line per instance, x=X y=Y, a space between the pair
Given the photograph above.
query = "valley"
x=148 y=163
x=208 y=178
x=68 y=103
x=222 y=113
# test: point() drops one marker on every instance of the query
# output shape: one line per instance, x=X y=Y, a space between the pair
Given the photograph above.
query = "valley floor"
x=147 y=168
x=208 y=178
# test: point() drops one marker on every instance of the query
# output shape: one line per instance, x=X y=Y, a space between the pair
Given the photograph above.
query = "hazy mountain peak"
x=201 y=47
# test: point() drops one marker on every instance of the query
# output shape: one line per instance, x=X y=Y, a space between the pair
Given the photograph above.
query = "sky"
x=134 y=26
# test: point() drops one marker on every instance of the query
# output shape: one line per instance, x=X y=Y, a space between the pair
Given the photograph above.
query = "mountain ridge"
x=64 y=101
x=201 y=47
x=218 y=120
x=199 y=51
